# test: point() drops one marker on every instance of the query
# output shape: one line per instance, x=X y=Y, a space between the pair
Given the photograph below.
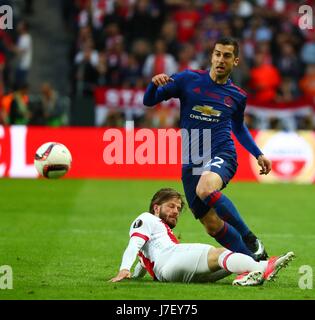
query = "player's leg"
x=233 y=262
x=251 y=272
x=222 y=231
x=208 y=190
x=215 y=178
x=195 y=262
x=187 y=262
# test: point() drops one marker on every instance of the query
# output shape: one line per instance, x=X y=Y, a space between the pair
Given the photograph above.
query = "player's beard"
x=225 y=74
x=171 y=222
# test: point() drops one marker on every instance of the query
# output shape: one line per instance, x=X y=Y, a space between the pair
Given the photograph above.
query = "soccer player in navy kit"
x=210 y=100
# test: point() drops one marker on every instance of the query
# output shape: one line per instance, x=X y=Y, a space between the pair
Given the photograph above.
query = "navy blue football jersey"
x=204 y=105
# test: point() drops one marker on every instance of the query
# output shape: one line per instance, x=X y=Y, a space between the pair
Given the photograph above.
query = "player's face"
x=223 y=60
x=169 y=211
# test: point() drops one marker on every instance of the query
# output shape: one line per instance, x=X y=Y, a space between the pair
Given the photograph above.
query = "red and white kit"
x=162 y=255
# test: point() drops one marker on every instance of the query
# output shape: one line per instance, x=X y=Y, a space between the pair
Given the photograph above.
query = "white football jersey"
x=163 y=256
x=159 y=237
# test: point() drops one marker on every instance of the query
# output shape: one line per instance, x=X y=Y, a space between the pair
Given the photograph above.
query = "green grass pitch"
x=64 y=239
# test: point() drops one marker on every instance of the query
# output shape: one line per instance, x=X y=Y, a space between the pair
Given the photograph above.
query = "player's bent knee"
x=203 y=190
x=207 y=184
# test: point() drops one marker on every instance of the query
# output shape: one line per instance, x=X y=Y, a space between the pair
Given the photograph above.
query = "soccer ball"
x=52 y=160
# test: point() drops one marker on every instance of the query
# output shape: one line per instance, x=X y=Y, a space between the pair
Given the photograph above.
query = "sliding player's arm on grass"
x=243 y=135
x=129 y=257
x=140 y=232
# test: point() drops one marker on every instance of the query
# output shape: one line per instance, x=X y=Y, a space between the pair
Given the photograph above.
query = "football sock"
x=240 y=263
x=226 y=210
x=229 y=238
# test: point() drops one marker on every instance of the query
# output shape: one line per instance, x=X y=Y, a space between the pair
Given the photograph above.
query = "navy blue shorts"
x=223 y=164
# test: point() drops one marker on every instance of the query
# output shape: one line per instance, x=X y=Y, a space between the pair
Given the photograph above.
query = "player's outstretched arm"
x=244 y=137
x=128 y=259
x=162 y=87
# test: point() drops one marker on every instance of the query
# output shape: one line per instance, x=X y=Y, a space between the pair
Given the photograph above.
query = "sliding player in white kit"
x=160 y=253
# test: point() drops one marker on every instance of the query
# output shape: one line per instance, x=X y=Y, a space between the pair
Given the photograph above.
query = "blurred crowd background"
x=60 y=52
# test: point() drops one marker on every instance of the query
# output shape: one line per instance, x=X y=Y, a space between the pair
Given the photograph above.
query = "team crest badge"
x=228 y=101
x=138 y=223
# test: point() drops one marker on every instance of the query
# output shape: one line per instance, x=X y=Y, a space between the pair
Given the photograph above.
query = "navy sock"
x=226 y=210
x=229 y=238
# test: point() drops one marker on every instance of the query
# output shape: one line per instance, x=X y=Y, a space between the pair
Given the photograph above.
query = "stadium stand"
x=115 y=47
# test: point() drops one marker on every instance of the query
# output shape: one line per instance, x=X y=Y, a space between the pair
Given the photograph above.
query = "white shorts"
x=184 y=263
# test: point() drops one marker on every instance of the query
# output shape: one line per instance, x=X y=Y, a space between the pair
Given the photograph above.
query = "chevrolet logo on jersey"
x=207 y=111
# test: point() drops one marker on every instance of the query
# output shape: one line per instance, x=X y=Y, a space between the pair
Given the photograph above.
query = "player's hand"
x=265 y=164
x=161 y=79
x=122 y=274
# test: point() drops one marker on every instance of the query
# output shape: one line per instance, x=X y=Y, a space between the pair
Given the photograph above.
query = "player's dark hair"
x=164 y=195
x=229 y=42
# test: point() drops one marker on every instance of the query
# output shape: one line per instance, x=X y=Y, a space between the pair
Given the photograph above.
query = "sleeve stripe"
x=137 y=234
